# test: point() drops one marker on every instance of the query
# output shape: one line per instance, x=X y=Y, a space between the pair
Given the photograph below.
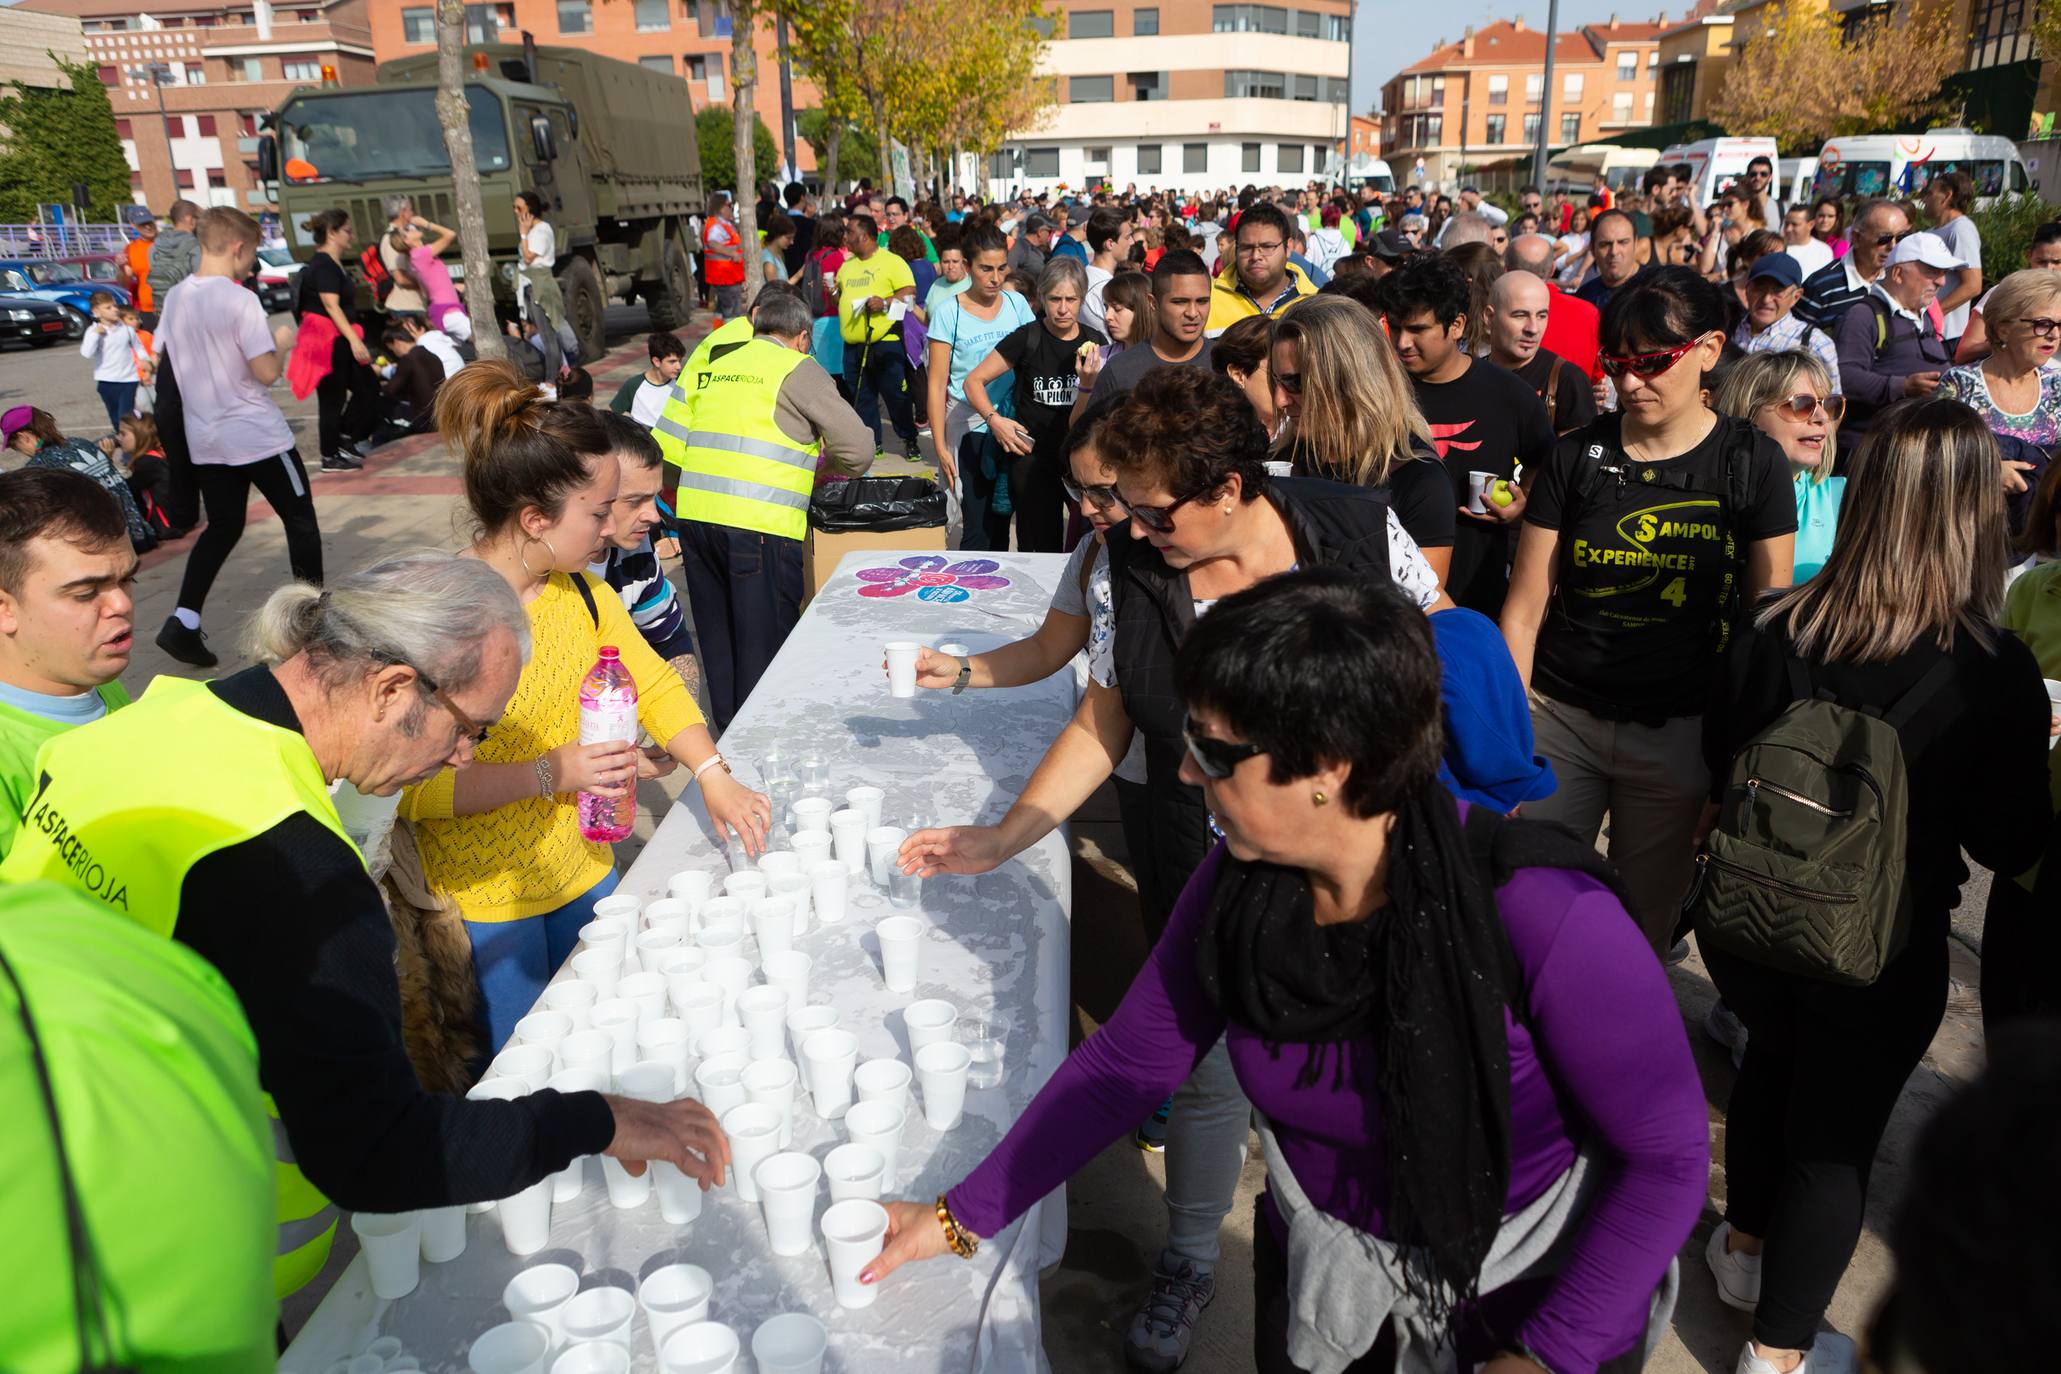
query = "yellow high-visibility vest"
x=740 y=468
x=677 y=418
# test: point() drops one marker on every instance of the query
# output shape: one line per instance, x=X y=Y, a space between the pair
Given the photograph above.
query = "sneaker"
x=1151 y=1135
x=910 y=450
x=1677 y=953
x=341 y=462
x=1721 y=1024
x=1165 y=1326
x=1737 y=1273
x=1830 y=1353
x=188 y=646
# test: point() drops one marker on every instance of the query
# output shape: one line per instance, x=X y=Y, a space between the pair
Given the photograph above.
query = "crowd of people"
x=1477 y=604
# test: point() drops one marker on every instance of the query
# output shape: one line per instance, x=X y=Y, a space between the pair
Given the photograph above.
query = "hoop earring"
x=522 y=556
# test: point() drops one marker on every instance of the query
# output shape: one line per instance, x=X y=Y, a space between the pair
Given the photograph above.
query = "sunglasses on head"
x=1158 y=519
x=1644 y=364
x=1217 y=758
x=1803 y=405
x=1101 y=495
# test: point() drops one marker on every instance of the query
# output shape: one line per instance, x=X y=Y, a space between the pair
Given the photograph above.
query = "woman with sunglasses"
x=2013 y=389
x=1789 y=397
x=1642 y=537
x=1909 y=595
x=1206 y=521
x=1450 y=1029
x=501 y=838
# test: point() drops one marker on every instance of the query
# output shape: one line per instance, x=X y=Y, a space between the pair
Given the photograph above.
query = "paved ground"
x=408 y=497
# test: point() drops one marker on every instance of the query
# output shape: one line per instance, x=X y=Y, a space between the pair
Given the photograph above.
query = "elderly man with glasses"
x=1838 y=287
x=1259 y=279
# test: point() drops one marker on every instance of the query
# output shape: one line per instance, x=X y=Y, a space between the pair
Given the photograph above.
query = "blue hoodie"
x=1488 y=756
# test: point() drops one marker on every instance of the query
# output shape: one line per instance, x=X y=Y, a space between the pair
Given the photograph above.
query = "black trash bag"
x=877 y=503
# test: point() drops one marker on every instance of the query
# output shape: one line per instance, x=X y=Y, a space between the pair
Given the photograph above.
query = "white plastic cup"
x=592 y=1357
x=813 y=846
x=698 y=1005
x=830 y=1056
x=803 y=1022
x=854 y=1171
x=941 y=1073
x=588 y=1049
x=570 y=1181
x=718 y=941
x=884 y=1080
x=812 y=814
x=904 y=890
x=604 y=932
x=789 y=972
x=649 y=1080
x=526 y=1218
x=775 y=862
x=791 y=1343
x=928 y=1021
x=572 y=996
x=679 y=1195
x=539 y=1293
x=681 y=961
x=392 y=1242
x=656 y=941
x=667 y=911
x=543 y=1029
x=901 y=668
x=853 y=1232
x=385 y=1348
x=700 y=1348
x=848 y=837
x=746 y=886
x=878 y=1124
x=772 y=923
x=1477 y=489
x=664 y=1041
x=796 y=888
x=723 y=1041
x=867 y=801
x=774 y=1082
x=442 y=1234
x=601 y=966
x=719 y=1082
x=692 y=886
x=763 y=1010
x=899 y=938
x=619 y=1017
x=787 y=1196
x=622 y=906
x=626 y=1191
x=828 y=883
x=674 y=1296
x=731 y=973
x=600 y=1314
x=528 y=1065
x=754 y=1131
x=648 y=991
x=884 y=852
x=517 y=1347
x=721 y=912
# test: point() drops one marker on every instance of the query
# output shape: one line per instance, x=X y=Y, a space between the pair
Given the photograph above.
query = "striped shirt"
x=1829 y=293
x=647 y=593
x=1791 y=333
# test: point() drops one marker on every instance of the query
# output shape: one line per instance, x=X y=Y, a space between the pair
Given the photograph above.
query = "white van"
x=1715 y=163
x=1798 y=174
x=1868 y=165
x=1373 y=174
x=1574 y=170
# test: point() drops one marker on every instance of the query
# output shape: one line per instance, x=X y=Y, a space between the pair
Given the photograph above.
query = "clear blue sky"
x=1391 y=34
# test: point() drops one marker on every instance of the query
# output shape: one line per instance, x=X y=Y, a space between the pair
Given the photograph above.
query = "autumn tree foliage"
x=1803 y=77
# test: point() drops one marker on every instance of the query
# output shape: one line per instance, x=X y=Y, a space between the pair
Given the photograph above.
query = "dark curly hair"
x=1188 y=429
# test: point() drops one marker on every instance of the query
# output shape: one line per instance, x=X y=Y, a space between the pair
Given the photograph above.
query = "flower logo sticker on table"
x=931 y=578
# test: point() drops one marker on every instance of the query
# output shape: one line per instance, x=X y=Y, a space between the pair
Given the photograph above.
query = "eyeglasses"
x=2043 y=327
x=1158 y=519
x=1803 y=406
x=1102 y=495
x=1290 y=382
x=1257 y=250
x=1217 y=758
x=1644 y=365
x=1885 y=240
x=468 y=728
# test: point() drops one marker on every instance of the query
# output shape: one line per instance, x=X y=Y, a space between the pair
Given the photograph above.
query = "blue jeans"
x=119 y=398
x=515 y=959
x=881 y=367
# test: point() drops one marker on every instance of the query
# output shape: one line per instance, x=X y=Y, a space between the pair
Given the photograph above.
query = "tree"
x=715 y=135
x=55 y=138
x=831 y=136
x=820 y=43
x=744 y=81
x=455 y=117
x=1804 y=78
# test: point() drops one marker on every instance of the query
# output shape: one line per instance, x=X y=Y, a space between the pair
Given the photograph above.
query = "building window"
x=1336 y=29
x=486 y=23
x=1997 y=33
x=1652 y=61
x=1041 y=162
x=1571 y=87
x=1289 y=157
x=1305 y=88
x=1255 y=85
x=301 y=71
x=1531 y=131
x=1677 y=92
x=419 y=26
x=1249 y=19
x=1148 y=159
x=1091 y=24
x=1494 y=128
x=1306 y=24
x=1248 y=157
x=1621 y=107
x=575 y=16
x=1084 y=90
x=110 y=76
x=124 y=129
x=1337 y=90
x=206 y=126
x=663 y=63
x=1145 y=24
x=654 y=16
x=1148 y=85
x=1627 y=66
x=1194 y=157
x=1097 y=159
x=1499 y=90
x=254 y=67
x=1044 y=25
x=1534 y=87
x=1002 y=167
x=1571 y=127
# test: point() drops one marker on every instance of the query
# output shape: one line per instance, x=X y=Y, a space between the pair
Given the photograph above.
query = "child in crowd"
x=436 y=342
x=632 y=566
x=146 y=366
x=409 y=394
x=577 y=385
x=141 y=458
x=112 y=347
x=644 y=395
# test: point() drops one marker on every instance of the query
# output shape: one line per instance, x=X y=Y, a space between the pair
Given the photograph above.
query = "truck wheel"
x=672 y=301
x=584 y=306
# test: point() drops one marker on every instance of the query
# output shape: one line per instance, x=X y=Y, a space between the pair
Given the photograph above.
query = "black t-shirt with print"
x=1484 y=420
x=1419 y=493
x=1046 y=377
x=1649 y=564
x=1577 y=402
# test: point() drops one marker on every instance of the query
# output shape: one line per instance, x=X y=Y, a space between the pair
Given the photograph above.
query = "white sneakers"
x=1830 y=1353
x=1737 y=1274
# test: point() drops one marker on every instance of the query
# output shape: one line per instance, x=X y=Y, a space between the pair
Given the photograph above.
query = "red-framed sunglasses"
x=1645 y=364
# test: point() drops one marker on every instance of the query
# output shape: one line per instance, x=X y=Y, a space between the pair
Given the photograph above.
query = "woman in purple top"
x=1458 y=1042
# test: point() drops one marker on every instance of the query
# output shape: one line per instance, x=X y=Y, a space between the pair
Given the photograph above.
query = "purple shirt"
x=1598 y=1058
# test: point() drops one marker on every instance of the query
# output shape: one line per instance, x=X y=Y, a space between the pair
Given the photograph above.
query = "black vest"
x=1334 y=526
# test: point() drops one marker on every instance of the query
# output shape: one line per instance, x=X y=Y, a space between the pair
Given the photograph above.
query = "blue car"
x=65 y=282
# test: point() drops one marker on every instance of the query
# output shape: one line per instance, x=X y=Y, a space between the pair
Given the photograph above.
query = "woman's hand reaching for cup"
x=913 y=1233
x=736 y=809
x=607 y=769
x=933 y=669
x=952 y=849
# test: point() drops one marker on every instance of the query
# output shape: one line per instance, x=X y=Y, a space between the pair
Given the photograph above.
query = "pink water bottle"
x=608 y=711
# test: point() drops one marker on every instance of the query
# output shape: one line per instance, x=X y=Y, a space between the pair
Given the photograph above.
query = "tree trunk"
x=835 y=145
x=744 y=76
x=455 y=118
x=883 y=143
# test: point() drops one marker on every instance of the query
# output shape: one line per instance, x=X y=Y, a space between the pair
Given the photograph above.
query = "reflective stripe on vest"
x=129 y=836
x=740 y=468
x=677 y=418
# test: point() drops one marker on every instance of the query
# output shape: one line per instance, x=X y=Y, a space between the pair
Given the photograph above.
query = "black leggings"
x=2021 y=942
x=1039 y=499
x=225 y=491
x=1824 y=1067
x=346 y=400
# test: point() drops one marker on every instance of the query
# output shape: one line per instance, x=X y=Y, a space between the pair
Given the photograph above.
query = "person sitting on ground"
x=577 y=385
x=33 y=434
x=643 y=396
x=410 y=392
x=140 y=455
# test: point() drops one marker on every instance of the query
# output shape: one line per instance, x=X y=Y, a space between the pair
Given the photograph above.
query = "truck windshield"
x=375 y=134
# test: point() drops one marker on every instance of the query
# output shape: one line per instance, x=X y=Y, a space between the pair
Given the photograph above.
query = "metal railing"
x=61 y=240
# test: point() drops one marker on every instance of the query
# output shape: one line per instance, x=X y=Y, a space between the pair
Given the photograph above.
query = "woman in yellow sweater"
x=501 y=837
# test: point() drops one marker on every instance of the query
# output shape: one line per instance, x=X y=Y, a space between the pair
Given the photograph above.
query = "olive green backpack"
x=1804 y=870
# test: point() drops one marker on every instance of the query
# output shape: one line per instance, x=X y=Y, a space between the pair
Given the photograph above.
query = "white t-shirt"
x=1091 y=301
x=443 y=350
x=1964 y=241
x=541 y=240
x=649 y=403
x=1810 y=255
x=113 y=351
x=212 y=328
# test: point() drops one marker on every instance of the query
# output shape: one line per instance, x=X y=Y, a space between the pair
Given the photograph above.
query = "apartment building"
x=189 y=80
x=1186 y=94
x=1695 y=57
x=31 y=46
x=1484 y=98
x=687 y=38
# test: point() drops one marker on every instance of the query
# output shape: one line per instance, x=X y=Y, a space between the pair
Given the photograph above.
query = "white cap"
x=1927 y=248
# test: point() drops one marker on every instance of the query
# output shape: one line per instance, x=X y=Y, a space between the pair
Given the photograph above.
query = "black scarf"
x=1426 y=979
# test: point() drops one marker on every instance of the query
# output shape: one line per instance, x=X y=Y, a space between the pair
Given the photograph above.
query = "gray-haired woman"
x=1044 y=355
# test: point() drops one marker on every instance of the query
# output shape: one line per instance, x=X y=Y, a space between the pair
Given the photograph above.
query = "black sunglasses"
x=1217 y=758
x=1158 y=519
x=1102 y=495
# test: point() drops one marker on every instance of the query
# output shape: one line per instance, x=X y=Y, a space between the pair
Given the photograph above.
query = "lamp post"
x=1538 y=151
x=160 y=77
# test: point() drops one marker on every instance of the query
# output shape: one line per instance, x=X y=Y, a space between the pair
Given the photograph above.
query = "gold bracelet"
x=958 y=1238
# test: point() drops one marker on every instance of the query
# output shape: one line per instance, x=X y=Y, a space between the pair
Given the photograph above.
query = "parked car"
x=64 y=282
x=27 y=319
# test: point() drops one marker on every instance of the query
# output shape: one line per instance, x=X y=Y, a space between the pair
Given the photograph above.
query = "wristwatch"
x=965 y=675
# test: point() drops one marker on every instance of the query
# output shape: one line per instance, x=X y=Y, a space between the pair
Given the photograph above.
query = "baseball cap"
x=1038 y=220
x=1927 y=248
x=1777 y=266
x=1390 y=246
x=14 y=422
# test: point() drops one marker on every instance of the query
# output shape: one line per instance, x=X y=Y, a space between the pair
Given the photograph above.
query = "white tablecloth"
x=1001 y=939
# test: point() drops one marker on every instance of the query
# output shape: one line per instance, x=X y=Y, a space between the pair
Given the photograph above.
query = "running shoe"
x=188 y=646
x=1830 y=1353
x=341 y=462
x=1737 y=1273
x=1151 y=1136
x=1165 y=1326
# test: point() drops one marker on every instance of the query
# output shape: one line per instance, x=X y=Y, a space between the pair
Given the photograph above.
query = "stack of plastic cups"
x=848 y=838
x=568 y=1182
x=673 y=1296
x=830 y=1056
x=763 y=1010
x=393 y=1251
x=798 y=888
x=772 y=923
x=787 y=1195
x=679 y=1197
x=772 y=1083
x=754 y=1131
x=573 y=998
x=853 y=1232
